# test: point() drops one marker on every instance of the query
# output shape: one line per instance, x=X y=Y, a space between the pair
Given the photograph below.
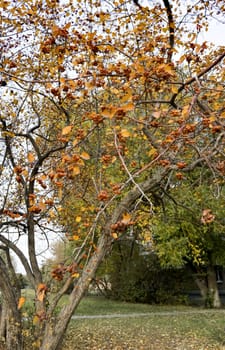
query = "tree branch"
x=191 y=80
x=171 y=29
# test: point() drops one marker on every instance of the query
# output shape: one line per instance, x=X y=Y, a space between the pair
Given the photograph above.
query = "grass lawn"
x=101 y=306
x=161 y=328
x=179 y=331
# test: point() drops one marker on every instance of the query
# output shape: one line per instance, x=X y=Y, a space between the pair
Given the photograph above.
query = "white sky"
x=215 y=34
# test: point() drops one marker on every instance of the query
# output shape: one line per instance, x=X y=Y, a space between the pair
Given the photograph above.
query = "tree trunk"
x=10 y=293
x=209 y=289
x=202 y=285
x=55 y=331
x=213 y=292
x=14 y=334
x=3 y=320
x=11 y=330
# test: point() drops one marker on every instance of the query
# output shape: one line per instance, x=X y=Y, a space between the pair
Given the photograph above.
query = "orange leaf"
x=30 y=157
x=126 y=218
x=21 y=302
x=85 y=155
x=76 y=170
x=181 y=165
x=67 y=130
x=41 y=291
x=76 y=237
x=35 y=209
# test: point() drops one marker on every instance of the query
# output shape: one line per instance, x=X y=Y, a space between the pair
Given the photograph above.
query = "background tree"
x=132 y=273
x=96 y=104
x=189 y=230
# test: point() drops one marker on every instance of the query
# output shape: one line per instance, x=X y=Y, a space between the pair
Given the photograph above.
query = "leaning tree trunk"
x=55 y=331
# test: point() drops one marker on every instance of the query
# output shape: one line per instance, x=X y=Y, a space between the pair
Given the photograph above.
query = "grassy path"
x=149 y=314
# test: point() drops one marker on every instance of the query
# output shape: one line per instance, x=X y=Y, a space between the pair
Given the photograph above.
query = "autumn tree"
x=102 y=105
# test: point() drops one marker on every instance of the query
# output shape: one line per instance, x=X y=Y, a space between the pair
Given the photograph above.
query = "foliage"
x=135 y=275
x=104 y=104
x=191 y=228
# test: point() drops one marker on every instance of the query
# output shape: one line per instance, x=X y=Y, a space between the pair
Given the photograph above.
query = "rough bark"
x=209 y=289
x=13 y=334
x=3 y=320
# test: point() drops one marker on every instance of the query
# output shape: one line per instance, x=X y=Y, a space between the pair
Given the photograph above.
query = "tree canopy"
x=104 y=104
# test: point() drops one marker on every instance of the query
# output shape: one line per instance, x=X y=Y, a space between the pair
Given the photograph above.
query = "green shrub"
x=135 y=277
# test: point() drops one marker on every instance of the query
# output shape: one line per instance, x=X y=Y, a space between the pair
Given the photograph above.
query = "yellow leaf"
x=76 y=170
x=128 y=107
x=80 y=162
x=182 y=58
x=60 y=193
x=109 y=112
x=72 y=84
x=66 y=130
x=42 y=205
x=75 y=142
x=51 y=214
x=25 y=172
x=174 y=89
x=114 y=235
x=78 y=219
x=125 y=133
x=169 y=69
x=30 y=157
x=35 y=320
x=76 y=237
x=75 y=275
x=185 y=111
x=127 y=97
x=85 y=155
x=89 y=85
x=21 y=302
x=152 y=152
